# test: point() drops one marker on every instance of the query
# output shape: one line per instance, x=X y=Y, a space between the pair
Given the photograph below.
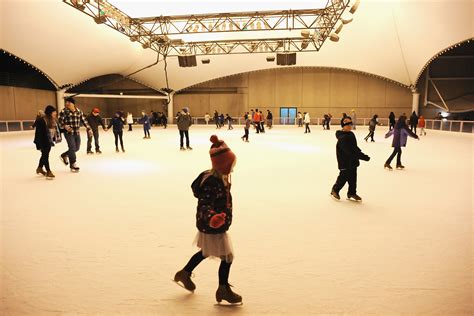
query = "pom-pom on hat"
x=222 y=157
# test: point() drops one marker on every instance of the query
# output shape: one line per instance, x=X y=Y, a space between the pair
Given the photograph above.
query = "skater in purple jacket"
x=400 y=135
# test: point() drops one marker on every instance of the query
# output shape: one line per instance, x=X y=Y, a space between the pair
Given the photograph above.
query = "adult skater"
x=413 y=122
x=348 y=155
x=216 y=119
x=145 y=120
x=117 y=123
x=300 y=119
x=391 y=121
x=184 y=122
x=129 y=121
x=221 y=120
x=256 y=120
x=328 y=121
x=262 y=122
x=344 y=115
x=372 y=125
x=213 y=219
x=207 y=118
x=246 y=128
x=164 y=120
x=46 y=135
x=229 y=121
x=269 y=119
x=70 y=119
x=307 y=120
x=400 y=134
x=94 y=121
x=354 y=119
x=422 y=125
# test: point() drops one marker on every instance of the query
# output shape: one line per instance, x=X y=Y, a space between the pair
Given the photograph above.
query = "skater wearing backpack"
x=372 y=125
x=348 y=155
x=213 y=219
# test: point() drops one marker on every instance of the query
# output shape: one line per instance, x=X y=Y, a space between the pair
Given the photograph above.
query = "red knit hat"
x=221 y=156
x=96 y=110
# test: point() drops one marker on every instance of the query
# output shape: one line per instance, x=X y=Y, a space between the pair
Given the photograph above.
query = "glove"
x=217 y=220
x=365 y=158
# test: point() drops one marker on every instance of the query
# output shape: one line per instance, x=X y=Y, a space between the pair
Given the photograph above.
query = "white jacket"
x=307 y=119
x=130 y=119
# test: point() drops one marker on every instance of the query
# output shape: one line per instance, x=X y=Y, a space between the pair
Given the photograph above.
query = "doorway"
x=288 y=115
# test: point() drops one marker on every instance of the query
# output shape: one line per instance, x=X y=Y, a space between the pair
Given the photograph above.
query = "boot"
x=98 y=151
x=74 y=168
x=182 y=148
x=40 y=171
x=354 y=197
x=116 y=149
x=89 y=152
x=184 y=277
x=50 y=175
x=388 y=166
x=224 y=292
x=189 y=148
x=400 y=166
x=123 y=149
x=335 y=195
x=64 y=159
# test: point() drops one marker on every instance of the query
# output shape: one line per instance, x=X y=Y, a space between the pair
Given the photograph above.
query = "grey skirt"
x=215 y=245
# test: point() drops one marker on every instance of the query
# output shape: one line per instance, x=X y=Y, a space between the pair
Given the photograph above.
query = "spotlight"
x=100 y=19
x=339 y=28
x=334 y=37
x=354 y=6
x=305 y=33
x=346 y=21
x=304 y=44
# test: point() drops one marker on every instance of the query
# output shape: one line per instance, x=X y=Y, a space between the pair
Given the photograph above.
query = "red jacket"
x=421 y=122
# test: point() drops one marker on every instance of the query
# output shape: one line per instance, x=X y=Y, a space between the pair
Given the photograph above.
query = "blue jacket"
x=145 y=121
x=400 y=136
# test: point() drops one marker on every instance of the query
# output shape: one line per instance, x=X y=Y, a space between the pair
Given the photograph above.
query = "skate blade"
x=334 y=198
x=181 y=285
x=352 y=200
x=228 y=305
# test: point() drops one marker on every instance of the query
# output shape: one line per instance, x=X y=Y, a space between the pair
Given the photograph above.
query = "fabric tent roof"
x=393 y=39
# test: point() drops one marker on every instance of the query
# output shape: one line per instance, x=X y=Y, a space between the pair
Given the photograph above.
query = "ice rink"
x=108 y=240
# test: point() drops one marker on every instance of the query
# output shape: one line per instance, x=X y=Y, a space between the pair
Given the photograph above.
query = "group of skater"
x=212 y=188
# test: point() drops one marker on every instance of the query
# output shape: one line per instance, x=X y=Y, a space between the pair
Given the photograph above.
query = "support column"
x=415 y=102
x=60 y=99
x=171 y=108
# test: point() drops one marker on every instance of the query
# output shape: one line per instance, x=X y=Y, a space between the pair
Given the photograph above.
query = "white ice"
x=109 y=239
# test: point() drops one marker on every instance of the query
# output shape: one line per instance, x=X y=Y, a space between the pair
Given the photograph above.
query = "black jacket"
x=117 y=123
x=95 y=121
x=43 y=137
x=348 y=154
x=213 y=198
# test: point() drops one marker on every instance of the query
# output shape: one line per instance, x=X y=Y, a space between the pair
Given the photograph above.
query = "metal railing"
x=440 y=125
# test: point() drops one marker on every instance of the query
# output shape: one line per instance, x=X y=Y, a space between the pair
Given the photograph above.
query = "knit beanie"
x=221 y=156
x=96 y=110
x=49 y=109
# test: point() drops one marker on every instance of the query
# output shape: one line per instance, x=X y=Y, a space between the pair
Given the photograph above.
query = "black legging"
x=307 y=130
x=44 y=160
x=398 y=152
x=118 y=135
x=183 y=134
x=224 y=268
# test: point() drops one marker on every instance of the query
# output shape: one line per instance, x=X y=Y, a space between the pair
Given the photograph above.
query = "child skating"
x=348 y=155
x=213 y=219
x=245 y=138
x=117 y=123
x=400 y=136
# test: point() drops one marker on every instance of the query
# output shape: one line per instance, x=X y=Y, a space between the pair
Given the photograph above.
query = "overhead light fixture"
x=304 y=44
x=305 y=33
x=100 y=19
x=134 y=38
x=146 y=45
x=205 y=61
x=270 y=59
x=334 y=37
x=346 y=21
x=339 y=28
x=354 y=6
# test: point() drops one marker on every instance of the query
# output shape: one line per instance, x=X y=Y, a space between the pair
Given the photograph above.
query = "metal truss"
x=162 y=33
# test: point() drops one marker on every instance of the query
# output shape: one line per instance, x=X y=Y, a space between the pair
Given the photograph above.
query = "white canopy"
x=389 y=38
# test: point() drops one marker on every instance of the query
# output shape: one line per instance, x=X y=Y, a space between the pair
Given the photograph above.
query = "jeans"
x=307 y=130
x=371 y=135
x=246 y=135
x=118 y=135
x=398 y=152
x=230 y=125
x=346 y=175
x=413 y=128
x=74 y=144
x=224 y=268
x=44 y=160
x=181 y=136
x=96 y=140
x=147 y=131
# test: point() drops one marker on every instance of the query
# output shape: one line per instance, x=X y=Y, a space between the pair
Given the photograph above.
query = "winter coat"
x=184 y=121
x=421 y=122
x=43 y=136
x=414 y=119
x=213 y=198
x=373 y=124
x=348 y=154
x=117 y=123
x=145 y=121
x=270 y=116
x=247 y=123
x=400 y=136
x=307 y=119
x=95 y=121
x=391 y=118
x=130 y=119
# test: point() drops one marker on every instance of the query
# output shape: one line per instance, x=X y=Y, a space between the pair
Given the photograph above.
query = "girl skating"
x=400 y=134
x=372 y=125
x=213 y=219
x=117 y=122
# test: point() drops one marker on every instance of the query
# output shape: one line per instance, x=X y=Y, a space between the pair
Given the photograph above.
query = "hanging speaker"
x=187 y=61
x=286 y=59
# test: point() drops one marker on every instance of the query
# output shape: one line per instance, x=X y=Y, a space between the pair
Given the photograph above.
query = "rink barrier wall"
x=439 y=125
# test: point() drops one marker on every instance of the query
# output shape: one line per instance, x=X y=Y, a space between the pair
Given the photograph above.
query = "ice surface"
x=109 y=239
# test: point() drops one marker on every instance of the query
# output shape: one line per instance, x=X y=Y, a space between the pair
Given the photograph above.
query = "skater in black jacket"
x=117 y=123
x=348 y=155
